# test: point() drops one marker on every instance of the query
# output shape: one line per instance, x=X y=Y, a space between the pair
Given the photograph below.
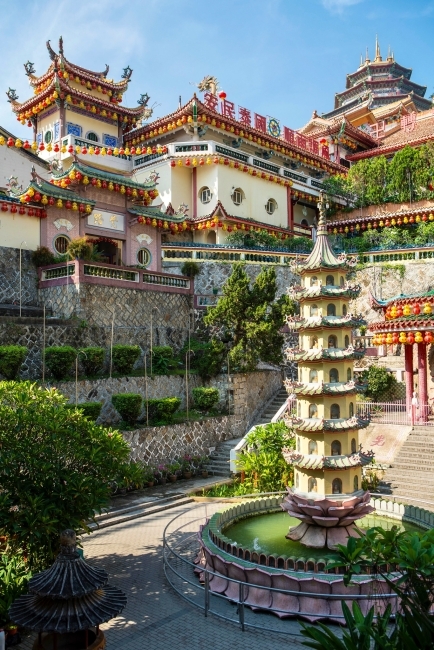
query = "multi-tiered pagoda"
x=327 y=461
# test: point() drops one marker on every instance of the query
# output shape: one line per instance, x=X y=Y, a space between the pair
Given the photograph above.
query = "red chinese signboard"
x=269 y=126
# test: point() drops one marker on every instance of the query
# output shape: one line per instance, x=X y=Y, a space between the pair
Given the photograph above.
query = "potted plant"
x=148 y=475
x=161 y=474
x=173 y=470
x=186 y=466
x=203 y=466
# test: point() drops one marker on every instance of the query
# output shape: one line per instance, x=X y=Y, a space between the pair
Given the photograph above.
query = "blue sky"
x=283 y=58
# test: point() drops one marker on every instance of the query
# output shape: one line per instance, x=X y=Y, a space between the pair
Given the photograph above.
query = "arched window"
x=331 y=310
x=337 y=486
x=336 y=448
x=313 y=411
x=351 y=409
x=91 y=135
x=314 y=310
x=312 y=485
x=299 y=409
x=353 y=446
x=313 y=447
x=335 y=411
x=347 y=340
x=48 y=137
x=330 y=281
x=344 y=310
x=342 y=281
x=349 y=374
x=61 y=243
x=356 y=483
x=143 y=257
x=297 y=481
x=237 y=196
x=313 y=376
x=332 y=341
x=271 y=206
x=205 y=195
x=314 y=281
x=334 y=376
x=304 y=223
x=211 y=237
x=298 y=443
x=314 y=342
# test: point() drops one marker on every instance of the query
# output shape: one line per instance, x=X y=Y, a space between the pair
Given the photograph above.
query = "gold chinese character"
x=97 y=218
x=114 y=221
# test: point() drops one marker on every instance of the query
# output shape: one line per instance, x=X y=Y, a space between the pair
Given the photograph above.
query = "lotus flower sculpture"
x=325 y=522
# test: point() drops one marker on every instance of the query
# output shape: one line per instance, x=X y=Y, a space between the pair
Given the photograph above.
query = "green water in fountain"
x=266 y=534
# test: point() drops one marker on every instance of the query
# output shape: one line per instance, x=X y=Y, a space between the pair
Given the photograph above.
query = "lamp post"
x=23 y=242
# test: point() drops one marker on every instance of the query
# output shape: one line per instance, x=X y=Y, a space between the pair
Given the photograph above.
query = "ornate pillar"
x=290 y=209
x=423 y=383
x=408 y=352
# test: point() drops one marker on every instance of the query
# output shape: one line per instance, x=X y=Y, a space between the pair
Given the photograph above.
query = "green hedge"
x=90 y=409
x=59 y=360
x=92 y=360
x=124 y=357
x=11 y=358
x=128 y=406
x=162 y=359
x=205 y=398
x=163 y=409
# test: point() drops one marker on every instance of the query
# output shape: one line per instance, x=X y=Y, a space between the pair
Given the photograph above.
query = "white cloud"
x=338 y=6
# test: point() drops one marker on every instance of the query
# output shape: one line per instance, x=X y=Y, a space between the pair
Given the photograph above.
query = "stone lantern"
x=67 y=602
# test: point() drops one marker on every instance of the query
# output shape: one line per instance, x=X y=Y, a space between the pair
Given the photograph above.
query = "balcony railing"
x=206 y=253
x=80 y=272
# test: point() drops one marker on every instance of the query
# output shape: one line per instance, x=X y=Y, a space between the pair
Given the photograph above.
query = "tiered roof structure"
x=327 y=460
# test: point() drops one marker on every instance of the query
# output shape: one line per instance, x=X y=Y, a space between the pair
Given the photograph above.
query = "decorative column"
x=423 y=383
x=290 y=209
x=409 y=384
x=194 y=190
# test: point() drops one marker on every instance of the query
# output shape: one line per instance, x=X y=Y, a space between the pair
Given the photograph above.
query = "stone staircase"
x=411 y=473
x=220 y=458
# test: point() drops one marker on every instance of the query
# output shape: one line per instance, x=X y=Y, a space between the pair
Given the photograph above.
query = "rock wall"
x=10 y=277
x=156 y=445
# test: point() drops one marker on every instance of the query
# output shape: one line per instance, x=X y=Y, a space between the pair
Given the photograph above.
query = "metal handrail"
x=168 y=550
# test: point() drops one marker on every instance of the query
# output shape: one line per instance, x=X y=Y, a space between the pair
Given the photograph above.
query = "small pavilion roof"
x=321 y=424
x=96 y=172
x=321 y=388
x=311 y=293
x=313 y=461
x=154 y=212
x=324 y=354
x=38 y=184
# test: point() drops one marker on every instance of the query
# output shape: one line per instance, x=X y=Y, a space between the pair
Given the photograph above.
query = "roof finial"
x=367 y=56
x=377 y=49
x=361 y=60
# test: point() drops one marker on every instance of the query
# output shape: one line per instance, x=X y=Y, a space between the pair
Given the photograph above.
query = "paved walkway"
x=155 y=616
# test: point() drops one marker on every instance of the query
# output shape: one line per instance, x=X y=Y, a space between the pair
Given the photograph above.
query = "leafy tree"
x=56 y=466
x=379 y=381
x=402 y=174
x=251 y=318
x=254 y=239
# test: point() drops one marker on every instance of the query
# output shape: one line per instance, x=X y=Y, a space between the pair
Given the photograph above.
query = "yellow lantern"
x=71 y=175
x=85 y=180
x=123 y=190
x=31 y=191
x=111 y=186
x=88 y=209
x=208 y=161
x=59 y=203
x=116 y=151
x=179 y=162
x=63 y=149
x=44 y=199
x=431 y=217
x=406 y=310
x=127 y=151
x=402 y=337
x=427 y=309
x=98 y=183
x=417 y=219
x=393 y=312
x=165 y=225
x=103 y=151
x=405 y=220
x=77 y=149
x=418 y=338
x=389 y=339
x=75 y=207
x=154 y=223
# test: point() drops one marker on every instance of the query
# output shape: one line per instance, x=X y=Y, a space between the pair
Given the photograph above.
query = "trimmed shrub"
x=163 y=409
x=90 y=409
x=208 y=358
x=162 y=359
x=124 y=357
x=128 y=405
x=190 y=269
x=92 y=360
x=59 y=360
x=11 y=358
x=205 y=398
x=42 y=256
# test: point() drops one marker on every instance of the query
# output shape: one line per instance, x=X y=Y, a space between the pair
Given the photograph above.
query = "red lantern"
x=78 y=176
x=222 y=94
x=51 y=201
x=132 y=151
x=68 y=205
x=109 y=152
x=363 y=226
x=70 y=149
x=424 y=217
x=398 y=311
x=41 y=147
x=97 y=151
x=410 y=338
x=226 y=161
x=37 y=197
x=395 y=337
x=411 y=219
x=416 y=309
x=55 y=148
x=30 y=212
x=428 y=338
x=104 y=184
x=187 y=162
x=172 y=163
x=10 y=142
x=159 y=223
x=399 y=222
x=129 y=191
x=148 y=221
x=82 y=207
x=13 y=209
x=22 y=209
x=4 y=207
x=27 y=198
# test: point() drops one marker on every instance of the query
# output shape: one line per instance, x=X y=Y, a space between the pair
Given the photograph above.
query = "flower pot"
x=172 y=478
x=150 y=483
x=187 y=475
x=204 y=473
x=163 y=481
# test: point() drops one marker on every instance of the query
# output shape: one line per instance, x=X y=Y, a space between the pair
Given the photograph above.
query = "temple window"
x=353 y=446
x=349 y=374
x=344 y=310
x=314 y=281
x=211 y=237
x=330 y=281
x=347 y=340
x=351 y=410
x=237 y=196
x=342 y=281
x=297 y=481
x=48 y=137
x=205 y=195
x=336 y=448
x=334 y=376
x=313 y=411
x=335 y=412
x=314 y=310
x=332 y=341
x=314 y=342
x=298 y=443
x=304 y=223
x=91 y=135
x=337 y=486
x=61 y=244
x=299 y=409
x=271 y=206
x=143 y=257
x=356 y=483
x=313 y=447
x=331 y=310
x=313 y=376
x=312 y=485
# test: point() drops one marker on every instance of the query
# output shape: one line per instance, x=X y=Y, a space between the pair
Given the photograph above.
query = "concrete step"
x=146 y=509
